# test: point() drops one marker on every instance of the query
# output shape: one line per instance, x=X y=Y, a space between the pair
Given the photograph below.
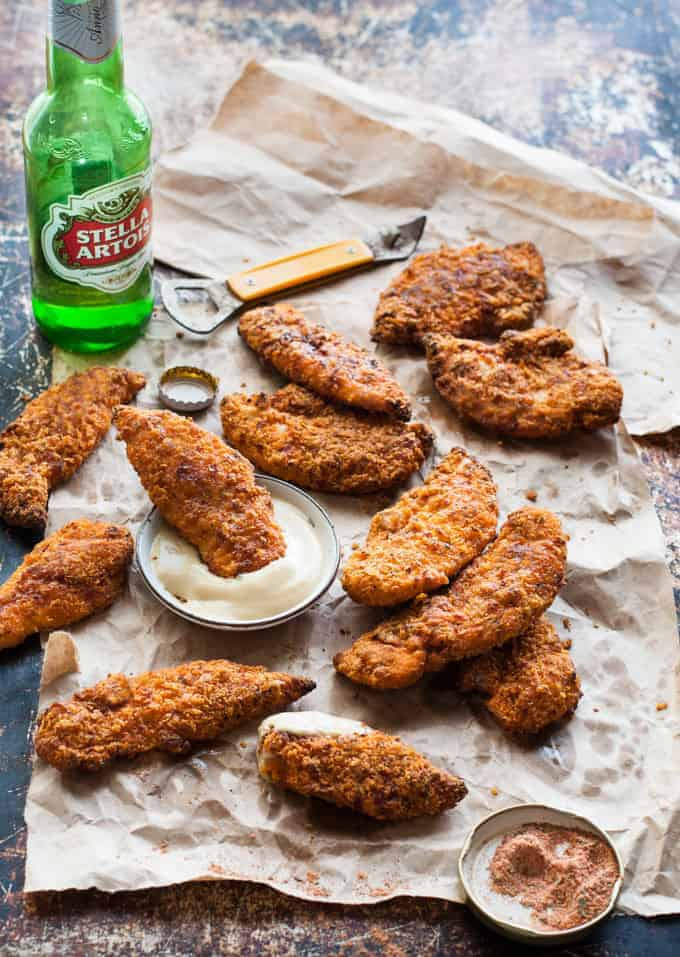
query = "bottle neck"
x=84 y=44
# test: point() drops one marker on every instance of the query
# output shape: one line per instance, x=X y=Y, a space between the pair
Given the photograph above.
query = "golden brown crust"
x=427 y=536
x=322 y=360
x=165 y=710
x=475 y=291
x=528 y=683
x=78 y=571
x=495 y=598
x=301 y=438
x=206 y=490
x=529 y=385
x=54 y=435
x=374 y=774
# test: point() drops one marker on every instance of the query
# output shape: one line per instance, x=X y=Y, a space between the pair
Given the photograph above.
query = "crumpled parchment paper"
x=284 y=166
x=297 y=156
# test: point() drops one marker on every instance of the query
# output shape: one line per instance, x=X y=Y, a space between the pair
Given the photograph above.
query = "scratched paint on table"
x=24 y=371
x=595 y=79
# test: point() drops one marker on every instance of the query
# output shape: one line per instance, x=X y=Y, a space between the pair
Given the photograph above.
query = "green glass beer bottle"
x=87 y=146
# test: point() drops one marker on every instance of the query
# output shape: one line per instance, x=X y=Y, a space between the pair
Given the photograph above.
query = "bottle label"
x=90 y=29
x=101 y=238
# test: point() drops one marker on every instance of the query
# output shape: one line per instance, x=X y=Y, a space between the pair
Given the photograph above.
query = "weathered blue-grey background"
x=599 y=79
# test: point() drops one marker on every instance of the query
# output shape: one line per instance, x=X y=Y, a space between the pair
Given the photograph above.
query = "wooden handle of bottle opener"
x=299 y=268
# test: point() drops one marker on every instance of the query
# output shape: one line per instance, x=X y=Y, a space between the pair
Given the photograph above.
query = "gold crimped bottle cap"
x=187 y=389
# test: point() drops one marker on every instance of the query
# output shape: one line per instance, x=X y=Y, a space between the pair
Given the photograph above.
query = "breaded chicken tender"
x=427 y=536
x=54 y=435
x=78 y=571
x=475 y=291
x=529 y=385
x=528 y=683
x=349 y=764
x=323 y=361
x=165 y=710
x=495 y=598
x=204 y=489
x=301 y=438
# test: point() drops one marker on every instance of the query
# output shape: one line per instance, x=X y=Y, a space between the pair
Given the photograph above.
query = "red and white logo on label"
x=101 y=238
x=92 y=243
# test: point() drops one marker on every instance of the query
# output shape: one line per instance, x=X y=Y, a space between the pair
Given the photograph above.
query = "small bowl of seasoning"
x=540 y=875
x=174 y=573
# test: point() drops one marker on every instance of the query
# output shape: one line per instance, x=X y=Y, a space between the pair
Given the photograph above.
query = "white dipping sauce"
x=304 y=723
x=312 y=722
x=277 y=588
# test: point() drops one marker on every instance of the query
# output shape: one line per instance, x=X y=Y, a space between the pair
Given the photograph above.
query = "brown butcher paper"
x=297 y=157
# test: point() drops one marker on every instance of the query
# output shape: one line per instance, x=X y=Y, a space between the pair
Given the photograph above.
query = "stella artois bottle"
x=88 y=176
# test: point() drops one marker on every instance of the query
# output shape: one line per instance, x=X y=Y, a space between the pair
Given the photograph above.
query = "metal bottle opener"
x=305 y=268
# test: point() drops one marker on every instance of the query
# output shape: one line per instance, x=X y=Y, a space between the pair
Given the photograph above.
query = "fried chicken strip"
x=424 y=539
x=301 y=438
x=204 y=489
x=165 y=710
x=322 y=360
x=529 y=385
x=528 y=683
x=351 y=765
x=495 y=598
x=54 y=435
x=73 y=574
x=475 y=291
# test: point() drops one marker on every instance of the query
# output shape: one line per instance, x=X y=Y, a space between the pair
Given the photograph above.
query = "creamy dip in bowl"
x=173 y=571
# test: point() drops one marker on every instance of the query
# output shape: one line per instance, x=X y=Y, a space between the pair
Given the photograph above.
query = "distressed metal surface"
x=596 y=78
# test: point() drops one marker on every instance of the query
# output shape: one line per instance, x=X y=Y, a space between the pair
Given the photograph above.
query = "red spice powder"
x=565 y=875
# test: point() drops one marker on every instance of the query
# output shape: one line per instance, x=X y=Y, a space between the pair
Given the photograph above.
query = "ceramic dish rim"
x=516 y=930
x=253 y=624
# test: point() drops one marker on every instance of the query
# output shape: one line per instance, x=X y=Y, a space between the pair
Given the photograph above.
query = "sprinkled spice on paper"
x=565 y=875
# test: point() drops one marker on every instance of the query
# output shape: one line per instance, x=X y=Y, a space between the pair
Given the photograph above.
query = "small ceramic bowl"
x=316 y=515
x=498 y=824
